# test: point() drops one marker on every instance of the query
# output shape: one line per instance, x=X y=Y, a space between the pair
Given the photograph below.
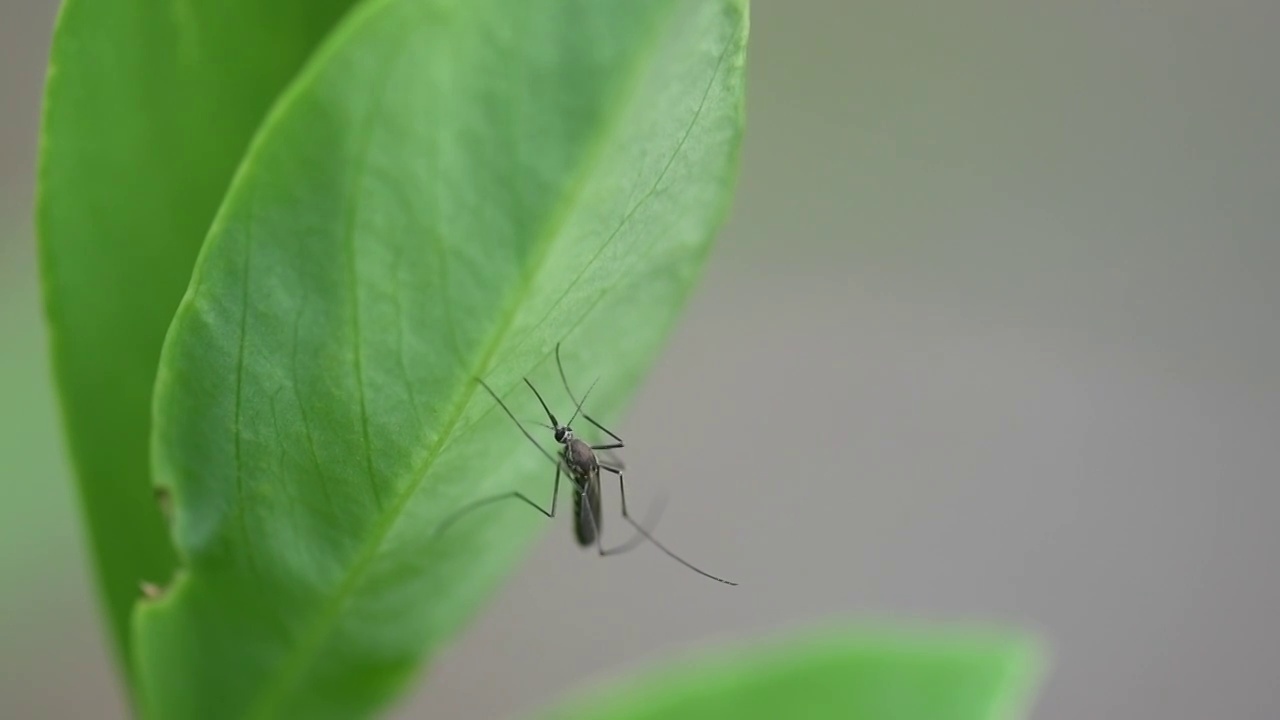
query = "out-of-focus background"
x=992 y=335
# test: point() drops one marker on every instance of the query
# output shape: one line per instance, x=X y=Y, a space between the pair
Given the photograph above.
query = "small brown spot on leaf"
x=150 y=591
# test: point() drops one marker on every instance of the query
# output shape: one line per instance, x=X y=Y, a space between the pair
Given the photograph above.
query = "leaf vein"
x=306 y=418
x=652 y=191
x=245 y=272
x=353 y=281
x=398 y=303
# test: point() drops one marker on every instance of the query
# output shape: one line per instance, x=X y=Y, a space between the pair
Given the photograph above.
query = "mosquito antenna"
x=504 y=407
x=584 y=399
x=542 y=402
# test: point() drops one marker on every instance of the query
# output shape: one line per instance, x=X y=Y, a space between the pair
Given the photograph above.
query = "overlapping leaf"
x=842 y=673
x=149 y=107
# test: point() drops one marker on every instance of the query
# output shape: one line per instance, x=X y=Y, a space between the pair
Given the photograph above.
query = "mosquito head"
x=564 y=434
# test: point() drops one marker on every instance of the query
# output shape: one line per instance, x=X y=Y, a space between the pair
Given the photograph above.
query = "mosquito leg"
x=622 y=489
x=610 y=457
x=650 y=521
x=594 y=532
x=565 y=380
x=514 y=494
x=614 y=446
x=525 y=432
x=603 y=429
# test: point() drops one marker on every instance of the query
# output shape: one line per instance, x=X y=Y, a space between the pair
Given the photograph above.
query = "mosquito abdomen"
x=586 y=512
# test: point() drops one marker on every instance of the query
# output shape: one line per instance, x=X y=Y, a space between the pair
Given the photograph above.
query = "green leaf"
x=36 y=531
x=447 y=190
x=149 y=106
x=844 y=674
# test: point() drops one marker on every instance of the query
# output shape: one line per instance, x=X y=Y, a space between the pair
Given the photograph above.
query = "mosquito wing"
x=586 y=510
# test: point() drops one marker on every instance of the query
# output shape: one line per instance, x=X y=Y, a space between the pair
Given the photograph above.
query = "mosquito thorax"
x=579 y=458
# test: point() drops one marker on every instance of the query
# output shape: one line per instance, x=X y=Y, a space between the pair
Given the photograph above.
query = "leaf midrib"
x=296 y=662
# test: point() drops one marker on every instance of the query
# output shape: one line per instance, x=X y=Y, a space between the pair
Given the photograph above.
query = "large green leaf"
x=445 y=192
x=840 y=675
x=36 y=531
x=149 y=107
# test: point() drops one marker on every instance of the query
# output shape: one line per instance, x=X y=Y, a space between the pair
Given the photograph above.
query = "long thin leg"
x=651 y=521
x=514 y=494
x=603 y=429
x=507 y=410
x=622 y=489
x=613 y=459
x=565 y=380
x=614 y=446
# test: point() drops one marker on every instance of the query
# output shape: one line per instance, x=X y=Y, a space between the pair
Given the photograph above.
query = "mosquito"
x=578 y=460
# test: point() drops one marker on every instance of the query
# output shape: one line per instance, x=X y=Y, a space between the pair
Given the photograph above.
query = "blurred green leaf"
x=148 y=109
x=446 y=191
x=37 y=531
x=844 y=675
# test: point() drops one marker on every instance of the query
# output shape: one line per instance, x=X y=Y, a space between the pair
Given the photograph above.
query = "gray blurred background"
x=991 y=335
